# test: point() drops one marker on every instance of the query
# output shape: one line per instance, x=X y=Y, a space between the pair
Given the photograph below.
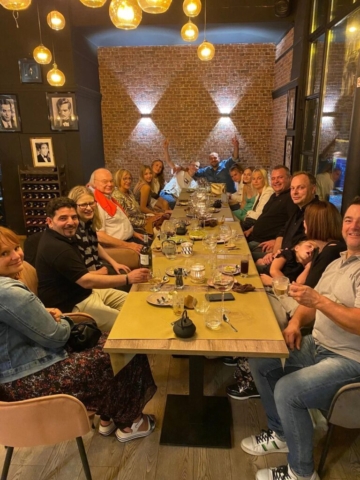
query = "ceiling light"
x=206 y=51
x=93 y=3
x=154 y=6
x=55 y=20
x=15 y=4
x=125 y=14
x=42 y=55
x=352 y=29
x=189 y=32
x=55 y=77
x=192 y=8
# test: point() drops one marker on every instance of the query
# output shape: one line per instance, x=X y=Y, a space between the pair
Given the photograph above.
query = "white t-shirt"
x=179 y=181
x=118 y=226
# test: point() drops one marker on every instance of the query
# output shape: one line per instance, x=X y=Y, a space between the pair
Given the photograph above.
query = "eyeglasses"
x=82 y=206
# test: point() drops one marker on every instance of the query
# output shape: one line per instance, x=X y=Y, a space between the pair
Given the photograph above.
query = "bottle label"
x=144 y=260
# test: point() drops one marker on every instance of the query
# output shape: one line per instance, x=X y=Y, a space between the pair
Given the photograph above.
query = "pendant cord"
x=15 y=14
x=37 y=5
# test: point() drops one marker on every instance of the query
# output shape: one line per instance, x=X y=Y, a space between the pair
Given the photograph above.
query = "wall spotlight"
x=146 y=115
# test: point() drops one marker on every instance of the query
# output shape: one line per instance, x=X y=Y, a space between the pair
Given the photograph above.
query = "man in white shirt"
x=236 y=172
x=116 y=230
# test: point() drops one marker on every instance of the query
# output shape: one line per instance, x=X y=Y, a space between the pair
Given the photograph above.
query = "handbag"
x=83 y=335
x=217 y=188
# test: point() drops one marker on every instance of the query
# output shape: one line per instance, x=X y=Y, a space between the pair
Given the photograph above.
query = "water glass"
x=280 y=286
x=202 y=305
x=177 y=304
x=213 y=319
x=154 y=278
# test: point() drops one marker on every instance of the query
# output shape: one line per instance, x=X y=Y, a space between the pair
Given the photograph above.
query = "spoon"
x=226 y=320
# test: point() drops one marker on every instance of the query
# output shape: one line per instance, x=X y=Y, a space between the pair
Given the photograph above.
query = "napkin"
x=239 y=288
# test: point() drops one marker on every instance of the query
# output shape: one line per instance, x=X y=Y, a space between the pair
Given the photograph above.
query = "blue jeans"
x=169 y=198
x=311 y=377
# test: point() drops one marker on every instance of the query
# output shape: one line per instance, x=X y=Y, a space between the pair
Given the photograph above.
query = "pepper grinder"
x=179 y=281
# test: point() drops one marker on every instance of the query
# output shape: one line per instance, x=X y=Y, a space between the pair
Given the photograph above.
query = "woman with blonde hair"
x=124 y=196
x=248 y=195
x=259 y=181
x=157 y=184
x=142 y=191
x=89 y=221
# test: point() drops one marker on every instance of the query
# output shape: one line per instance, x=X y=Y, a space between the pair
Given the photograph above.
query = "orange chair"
x=43 y=421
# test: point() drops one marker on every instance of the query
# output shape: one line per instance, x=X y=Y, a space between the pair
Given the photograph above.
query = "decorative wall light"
x=192 y=8
x=154 y=6
x=41 y=53
x=125 y=14
x=55 y=20
x=93 y=3
x=206 y=50
x=55 y=77
x=189 y=32
x=15 y=5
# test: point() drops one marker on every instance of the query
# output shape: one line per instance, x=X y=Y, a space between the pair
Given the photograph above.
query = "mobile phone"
x=216 y=297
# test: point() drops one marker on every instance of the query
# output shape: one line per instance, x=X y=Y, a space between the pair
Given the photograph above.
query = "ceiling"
x=228 y=21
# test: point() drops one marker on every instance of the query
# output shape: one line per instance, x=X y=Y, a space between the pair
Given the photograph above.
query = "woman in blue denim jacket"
x=35 y=361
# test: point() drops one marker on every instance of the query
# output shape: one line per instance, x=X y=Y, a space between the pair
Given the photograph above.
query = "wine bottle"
x=146 y=254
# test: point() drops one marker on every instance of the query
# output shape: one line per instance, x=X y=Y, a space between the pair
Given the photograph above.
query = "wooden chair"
x=345 y=412
x=43 y=421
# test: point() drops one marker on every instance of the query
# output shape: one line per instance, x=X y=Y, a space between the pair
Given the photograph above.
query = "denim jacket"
x=30 y=339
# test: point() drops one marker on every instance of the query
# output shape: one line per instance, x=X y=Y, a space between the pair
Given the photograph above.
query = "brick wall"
x=185 y=96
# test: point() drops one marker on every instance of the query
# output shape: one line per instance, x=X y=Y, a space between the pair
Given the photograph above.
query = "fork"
x=226 y=320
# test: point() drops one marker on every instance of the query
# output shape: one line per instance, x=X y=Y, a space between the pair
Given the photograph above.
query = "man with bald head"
x=116 y=230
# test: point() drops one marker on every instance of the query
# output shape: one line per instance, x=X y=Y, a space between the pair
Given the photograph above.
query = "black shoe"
x=238 y=392
x=230 y=361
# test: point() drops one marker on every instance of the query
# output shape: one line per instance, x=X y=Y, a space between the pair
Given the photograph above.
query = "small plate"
x=170 y=271
x=214 y=210
x=156 y=299
x=231 y=269
x=177 y=239
x=197 y=234
x=183 y=203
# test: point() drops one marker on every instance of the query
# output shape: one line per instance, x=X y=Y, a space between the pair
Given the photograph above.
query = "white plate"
x=230 y=269
x=156 y=299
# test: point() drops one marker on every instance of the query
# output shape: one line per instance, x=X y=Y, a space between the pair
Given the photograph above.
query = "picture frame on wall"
x=42 y=152
x=62 y=111
x=9 y=114
x=30 y=71
x=288 y=151
x=291 y=104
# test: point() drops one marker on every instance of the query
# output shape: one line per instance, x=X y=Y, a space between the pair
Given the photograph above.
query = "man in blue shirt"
x=218 y=170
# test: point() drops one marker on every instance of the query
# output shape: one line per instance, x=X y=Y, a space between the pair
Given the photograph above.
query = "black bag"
x=83 y=335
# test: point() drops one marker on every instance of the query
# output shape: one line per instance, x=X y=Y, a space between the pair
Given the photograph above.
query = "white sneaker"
x=281 y=473
x=107 y=430
x=266 y=442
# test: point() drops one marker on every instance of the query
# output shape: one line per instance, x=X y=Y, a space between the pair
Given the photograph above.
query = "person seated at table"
x=260 y=183
x=318 y=365
x=116 y=230
x=142 y=191
x=291 y=263
x=38 y=362
x=218 y=170
x=64 y=280
x=157 y=184
x=248 y=195
x=95 y=257
x=124 y=196
x=235 y=199
x=182 y=178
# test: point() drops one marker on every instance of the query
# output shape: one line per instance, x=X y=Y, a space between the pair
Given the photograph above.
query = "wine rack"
x=38 y=186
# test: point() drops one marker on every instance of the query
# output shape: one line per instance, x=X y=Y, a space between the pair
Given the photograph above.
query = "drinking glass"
x=280 y=286
x=224 y=236
x=154 y=278
x=210 y=243
x=244 y=265
x=177 y=303
x=223 y=283
x=202 y=305
x=213 y=319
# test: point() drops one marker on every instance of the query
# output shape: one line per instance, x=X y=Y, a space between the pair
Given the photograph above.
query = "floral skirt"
x=88 y=376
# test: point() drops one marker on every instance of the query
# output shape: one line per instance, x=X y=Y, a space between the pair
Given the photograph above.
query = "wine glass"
x=224 y=236
x=223 y=283
x=154 y=278
x=210 y=242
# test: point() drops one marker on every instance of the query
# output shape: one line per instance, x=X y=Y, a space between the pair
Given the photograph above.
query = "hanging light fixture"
x=55 y=20
x=154 y=6
x=192 y=8
x=41 y=54
x=15 y=5
x=125 y=14
x=93 y=3
x=189 y=32
x=55 y=77
x=206 y=50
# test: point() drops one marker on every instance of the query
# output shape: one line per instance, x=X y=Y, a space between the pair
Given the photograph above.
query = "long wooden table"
x=197 y=420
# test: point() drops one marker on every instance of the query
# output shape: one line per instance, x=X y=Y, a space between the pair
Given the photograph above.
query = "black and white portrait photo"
x=42 y=152
x=62 y=111
x=9 y=114
x=288 y=151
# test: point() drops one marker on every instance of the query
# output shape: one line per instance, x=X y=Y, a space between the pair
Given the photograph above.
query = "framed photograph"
x=9 y=114
x=291 y=103
x=30 y=71
x=62 y=111
x=42 y=152
x=288 y=151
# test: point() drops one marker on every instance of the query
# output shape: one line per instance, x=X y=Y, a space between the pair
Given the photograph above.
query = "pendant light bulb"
x=206 y=51
x=189 y=32
x=55 y=20
x=125 y=14
x=42 y=55
x=93 y=3
x=55 y=77
x=15 y=5
x=154 y=6
x=192 y=8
